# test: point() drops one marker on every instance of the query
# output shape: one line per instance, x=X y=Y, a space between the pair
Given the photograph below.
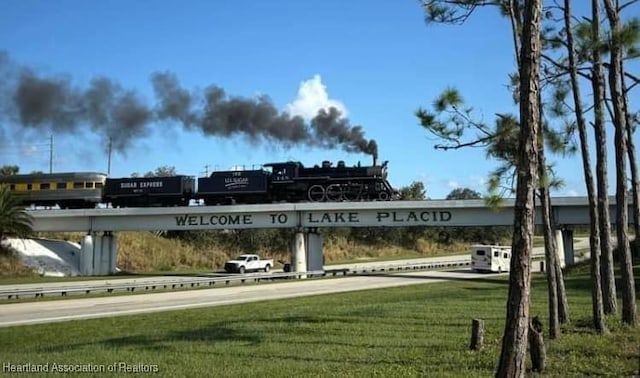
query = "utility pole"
x=109 y=159
x=51 y=154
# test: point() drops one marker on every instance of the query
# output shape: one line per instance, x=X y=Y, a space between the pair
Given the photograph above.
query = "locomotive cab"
x=284 y=171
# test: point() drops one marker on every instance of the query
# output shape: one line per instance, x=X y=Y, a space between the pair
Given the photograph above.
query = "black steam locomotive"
x=275 y=182
x=292 y=182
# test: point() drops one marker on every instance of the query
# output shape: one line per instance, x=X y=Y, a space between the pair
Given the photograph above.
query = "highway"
x=14 y=314
x=87 y=308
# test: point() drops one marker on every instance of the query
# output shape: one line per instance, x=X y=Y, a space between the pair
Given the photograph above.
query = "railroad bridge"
x=99 y=246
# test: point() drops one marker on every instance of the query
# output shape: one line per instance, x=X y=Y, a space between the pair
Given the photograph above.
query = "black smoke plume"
x=36 y=102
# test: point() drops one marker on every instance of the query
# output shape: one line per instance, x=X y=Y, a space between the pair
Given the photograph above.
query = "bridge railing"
x=147 y=285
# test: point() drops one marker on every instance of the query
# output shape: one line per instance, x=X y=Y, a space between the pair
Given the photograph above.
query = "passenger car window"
x=45 y=186
x=61 y=185
x=78 y=185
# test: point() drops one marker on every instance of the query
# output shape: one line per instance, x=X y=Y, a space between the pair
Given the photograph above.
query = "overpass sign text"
x=235 y=220
x=361 y=218
x=374 y=218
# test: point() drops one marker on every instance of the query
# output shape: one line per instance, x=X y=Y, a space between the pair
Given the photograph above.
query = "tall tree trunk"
x=633 y=165
x=558 y=303
x=563 y=303
x=629 y=312
x=514 y=341
x=635 y=192
x=594 y=237
x=550 y=245
x=550 y=251
x=610 y=301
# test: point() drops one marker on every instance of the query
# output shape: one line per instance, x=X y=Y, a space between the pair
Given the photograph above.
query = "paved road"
x=579 y=243
x=87 y=308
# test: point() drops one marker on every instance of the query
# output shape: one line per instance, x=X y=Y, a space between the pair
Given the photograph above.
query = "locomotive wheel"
x=316 y=193
x=383 y=196
x=334 y=193
x=353 y=192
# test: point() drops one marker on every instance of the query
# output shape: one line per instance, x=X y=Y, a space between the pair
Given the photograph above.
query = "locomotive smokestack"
x=375 y=158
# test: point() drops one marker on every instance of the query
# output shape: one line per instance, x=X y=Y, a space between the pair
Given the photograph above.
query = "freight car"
x=293 y=182
x=149 y=191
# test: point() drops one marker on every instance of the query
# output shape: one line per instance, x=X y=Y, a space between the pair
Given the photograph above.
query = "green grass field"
x=421 y=330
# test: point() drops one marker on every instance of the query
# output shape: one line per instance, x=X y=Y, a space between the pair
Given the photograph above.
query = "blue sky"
x=377 y=60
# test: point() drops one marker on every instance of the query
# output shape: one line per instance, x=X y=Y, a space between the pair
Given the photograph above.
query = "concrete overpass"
x=99 y=251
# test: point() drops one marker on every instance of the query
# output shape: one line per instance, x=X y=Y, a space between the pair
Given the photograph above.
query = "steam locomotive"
x=287 y=181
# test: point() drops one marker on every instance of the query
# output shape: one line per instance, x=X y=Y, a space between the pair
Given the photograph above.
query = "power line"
x=29 y=150
x=22 y=146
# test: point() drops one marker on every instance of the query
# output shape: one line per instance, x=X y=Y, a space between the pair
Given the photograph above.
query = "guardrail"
x=150 y=285
x=200 y=282
x=401 y=267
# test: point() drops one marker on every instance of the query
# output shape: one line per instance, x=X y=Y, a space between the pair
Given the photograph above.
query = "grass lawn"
x=421 y=330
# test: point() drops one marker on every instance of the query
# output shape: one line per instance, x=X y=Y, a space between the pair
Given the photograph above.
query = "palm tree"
x=14 y=219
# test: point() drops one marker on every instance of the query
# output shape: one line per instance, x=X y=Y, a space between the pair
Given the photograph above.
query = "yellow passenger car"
x=73 y=190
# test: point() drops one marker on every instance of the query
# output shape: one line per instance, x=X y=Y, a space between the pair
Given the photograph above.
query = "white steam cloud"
x=312 y=96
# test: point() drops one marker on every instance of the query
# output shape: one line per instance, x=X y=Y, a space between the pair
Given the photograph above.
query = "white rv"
x=490 y=258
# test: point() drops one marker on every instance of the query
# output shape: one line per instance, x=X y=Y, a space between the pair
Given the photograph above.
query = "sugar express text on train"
x=287 y=181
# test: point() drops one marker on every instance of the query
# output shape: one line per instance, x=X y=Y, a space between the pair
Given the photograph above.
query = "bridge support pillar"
x=560 y=248
x=86 y=256
x=298 y=253
x=565 y=244
x=98 y=254
x=315 y=260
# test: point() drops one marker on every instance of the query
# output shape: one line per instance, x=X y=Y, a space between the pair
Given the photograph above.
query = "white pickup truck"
x=247 y=263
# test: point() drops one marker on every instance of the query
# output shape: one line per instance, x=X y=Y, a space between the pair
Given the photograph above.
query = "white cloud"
x=572 y=193
x=312 y=96
x=28 y=151
x=453 y=184
x=479 y=182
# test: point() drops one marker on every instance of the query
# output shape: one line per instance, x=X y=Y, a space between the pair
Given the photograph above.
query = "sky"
x=375 y=61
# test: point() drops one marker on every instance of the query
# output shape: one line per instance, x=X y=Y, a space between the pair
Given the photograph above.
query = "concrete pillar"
x=298 y=253
x=106 y=254
x=113 y=255
x=86 y=256
x=567 y=243
x=315 y=257
x=560 y=247
x=101 y=255
x=98 y=254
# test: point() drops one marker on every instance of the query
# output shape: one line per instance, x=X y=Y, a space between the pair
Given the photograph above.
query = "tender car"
x=248 y=263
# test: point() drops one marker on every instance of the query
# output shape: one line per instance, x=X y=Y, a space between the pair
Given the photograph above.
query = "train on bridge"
x=287 y=181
